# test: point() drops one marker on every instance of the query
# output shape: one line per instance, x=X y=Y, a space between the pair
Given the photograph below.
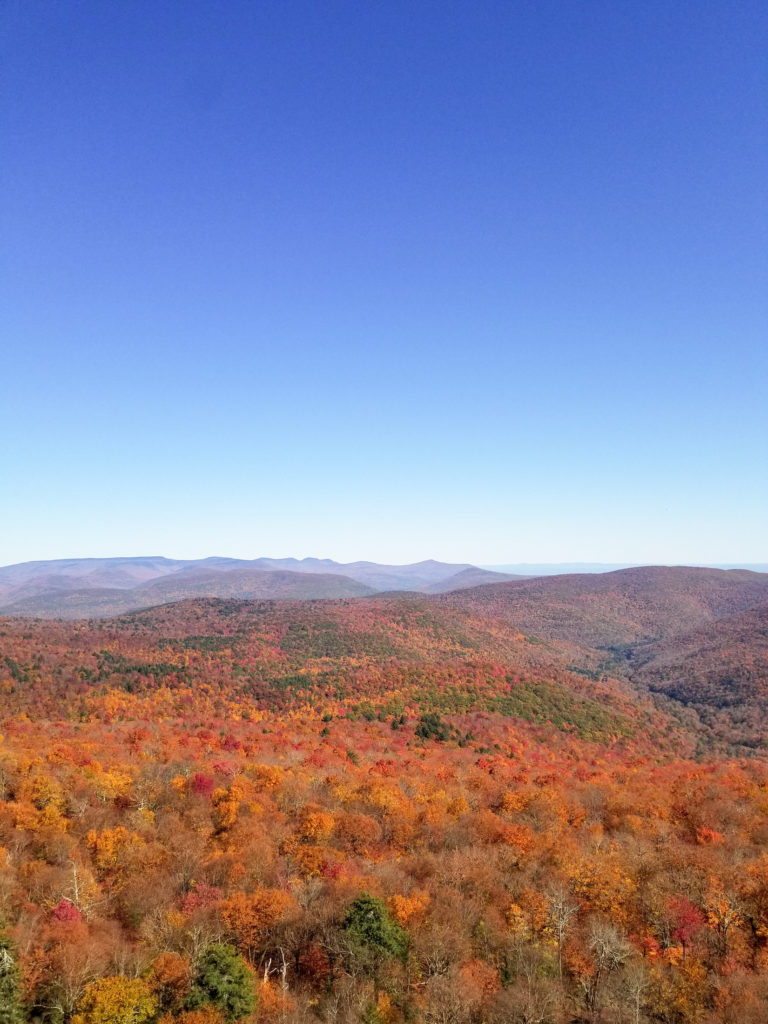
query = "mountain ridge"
x=60 y=588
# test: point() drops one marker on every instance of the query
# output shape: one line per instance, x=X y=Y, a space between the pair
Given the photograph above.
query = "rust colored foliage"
x=547 y=843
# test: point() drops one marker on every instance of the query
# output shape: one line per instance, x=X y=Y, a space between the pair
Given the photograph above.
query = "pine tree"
x=374 y=936
x=223 y=979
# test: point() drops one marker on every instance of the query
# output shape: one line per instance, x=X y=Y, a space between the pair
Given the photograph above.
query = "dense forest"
x=461 y=809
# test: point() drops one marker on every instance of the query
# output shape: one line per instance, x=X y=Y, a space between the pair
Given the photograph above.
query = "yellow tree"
x=116 y=1000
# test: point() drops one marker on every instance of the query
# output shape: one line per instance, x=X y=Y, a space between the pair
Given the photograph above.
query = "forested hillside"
x=622 y=608
x=382 y=809
x=720 y=671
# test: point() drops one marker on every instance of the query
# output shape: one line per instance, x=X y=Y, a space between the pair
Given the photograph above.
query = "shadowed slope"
x=720 y=670
x=619 y=608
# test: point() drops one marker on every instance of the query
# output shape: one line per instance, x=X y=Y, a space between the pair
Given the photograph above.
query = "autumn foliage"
x=364 y=810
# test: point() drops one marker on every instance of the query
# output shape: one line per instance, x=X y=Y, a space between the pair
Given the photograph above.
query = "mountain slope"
x=388 y=652
x=720 y=670
x=617 y=609
x=696 y=638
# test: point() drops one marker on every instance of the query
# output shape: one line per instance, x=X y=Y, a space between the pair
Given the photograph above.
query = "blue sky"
x=482 y=282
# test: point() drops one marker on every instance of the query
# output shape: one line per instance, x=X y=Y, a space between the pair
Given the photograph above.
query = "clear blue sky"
x=390 y=280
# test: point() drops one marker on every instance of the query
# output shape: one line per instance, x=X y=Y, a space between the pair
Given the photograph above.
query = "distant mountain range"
x=102 y=587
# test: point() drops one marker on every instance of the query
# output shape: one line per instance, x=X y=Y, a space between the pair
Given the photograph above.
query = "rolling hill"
x=65 y=603
x=719 y=670
x=697 y=638
x=617 y=609
x=103 y=587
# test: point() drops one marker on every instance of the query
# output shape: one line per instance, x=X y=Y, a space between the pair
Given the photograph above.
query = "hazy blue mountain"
x=468 y=578
x=246 y=584
x=99 y=587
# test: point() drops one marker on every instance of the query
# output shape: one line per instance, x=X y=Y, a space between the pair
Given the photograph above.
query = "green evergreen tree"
x=374 y=936
x=10 y=984
x=224 y=980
